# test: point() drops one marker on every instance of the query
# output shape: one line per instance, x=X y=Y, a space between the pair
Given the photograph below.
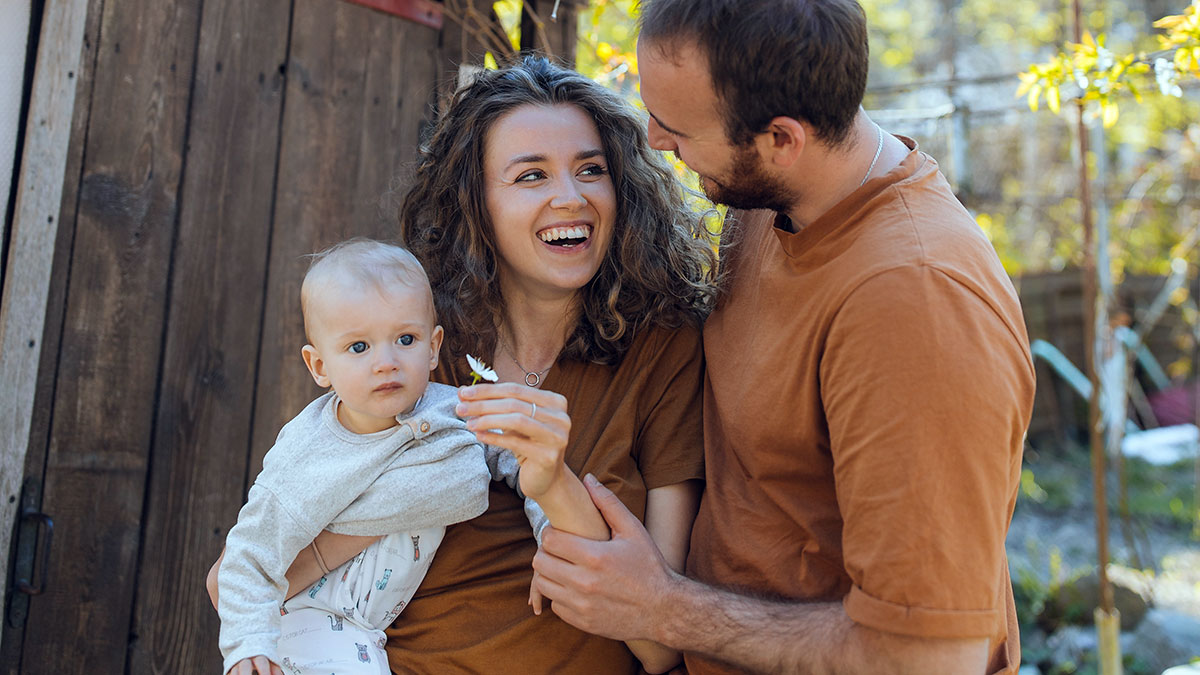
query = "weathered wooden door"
x=213 y=144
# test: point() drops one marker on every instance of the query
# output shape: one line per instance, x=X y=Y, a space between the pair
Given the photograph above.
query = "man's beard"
x=748 y=185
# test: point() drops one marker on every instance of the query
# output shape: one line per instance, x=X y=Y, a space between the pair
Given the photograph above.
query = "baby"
x=382 y=453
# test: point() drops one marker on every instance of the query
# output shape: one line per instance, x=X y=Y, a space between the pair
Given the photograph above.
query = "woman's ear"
x=783 y=141
x=435 y=346
x=316 y=365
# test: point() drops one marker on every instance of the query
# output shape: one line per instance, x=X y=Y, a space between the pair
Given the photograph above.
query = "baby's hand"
x=255 y=664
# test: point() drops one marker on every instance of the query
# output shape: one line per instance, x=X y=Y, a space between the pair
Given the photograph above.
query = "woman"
x=559 y=247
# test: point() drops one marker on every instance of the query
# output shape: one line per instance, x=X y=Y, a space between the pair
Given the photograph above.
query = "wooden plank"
x=558 y=37
x=112 y=335
x=35 y=458
x=359 y=90
x=35 y=230
x=206 y=395
x=459 y=47
x=425 y=12
x=14 y=38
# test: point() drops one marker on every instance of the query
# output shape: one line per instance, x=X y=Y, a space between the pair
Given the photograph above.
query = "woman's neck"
x=533 y=334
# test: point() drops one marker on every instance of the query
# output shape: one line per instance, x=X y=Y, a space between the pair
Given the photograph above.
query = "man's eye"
x=358 y=347
x=406 y=340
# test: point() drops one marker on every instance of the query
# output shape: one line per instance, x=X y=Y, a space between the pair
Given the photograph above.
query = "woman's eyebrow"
x=524 y=159
x=533 y=159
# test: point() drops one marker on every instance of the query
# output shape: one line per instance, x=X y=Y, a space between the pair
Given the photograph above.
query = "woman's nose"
x=568 y=196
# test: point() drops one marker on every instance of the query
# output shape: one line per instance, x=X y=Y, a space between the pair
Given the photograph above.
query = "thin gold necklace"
x=532 y=377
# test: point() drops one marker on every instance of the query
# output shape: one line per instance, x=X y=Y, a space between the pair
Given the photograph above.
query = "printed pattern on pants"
x=336 y=625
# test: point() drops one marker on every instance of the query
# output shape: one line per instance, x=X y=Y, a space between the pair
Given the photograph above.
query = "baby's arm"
x=259 y=549
x=305 y=570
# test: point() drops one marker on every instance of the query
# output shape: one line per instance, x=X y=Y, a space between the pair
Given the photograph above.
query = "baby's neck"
x=363 y=424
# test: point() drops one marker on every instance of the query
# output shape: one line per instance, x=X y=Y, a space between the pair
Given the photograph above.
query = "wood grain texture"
x=360 y=86
x=27 y=280
x=43 y=402
x=456 y=48
x=206 y=394
x=557 y=37
x=112 y=335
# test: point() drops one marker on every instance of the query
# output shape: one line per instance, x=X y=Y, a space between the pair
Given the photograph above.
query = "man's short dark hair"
x=804 y=59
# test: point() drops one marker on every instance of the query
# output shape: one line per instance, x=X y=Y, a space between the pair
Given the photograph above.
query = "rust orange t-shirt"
x=868 y=387
x=635 y=426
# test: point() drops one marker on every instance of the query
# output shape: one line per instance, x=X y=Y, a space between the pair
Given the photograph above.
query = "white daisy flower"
x=480 y=371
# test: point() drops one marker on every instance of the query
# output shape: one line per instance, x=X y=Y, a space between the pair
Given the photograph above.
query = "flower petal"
x=478 y=367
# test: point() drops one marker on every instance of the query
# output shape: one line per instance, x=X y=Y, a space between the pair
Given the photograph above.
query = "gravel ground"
x=1036 y=534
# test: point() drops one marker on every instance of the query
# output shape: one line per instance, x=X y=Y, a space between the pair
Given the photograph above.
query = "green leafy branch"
x=1100 y=75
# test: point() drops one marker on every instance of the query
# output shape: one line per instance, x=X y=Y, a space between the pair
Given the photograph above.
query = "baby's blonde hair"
x=368 y=261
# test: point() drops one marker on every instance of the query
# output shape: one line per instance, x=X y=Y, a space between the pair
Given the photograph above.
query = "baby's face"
x=375 y=345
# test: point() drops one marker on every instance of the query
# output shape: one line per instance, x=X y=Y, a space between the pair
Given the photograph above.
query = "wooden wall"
x=1053 y=307
x=213 y=145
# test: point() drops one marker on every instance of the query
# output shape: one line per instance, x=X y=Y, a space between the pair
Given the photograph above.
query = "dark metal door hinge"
x=35 y=532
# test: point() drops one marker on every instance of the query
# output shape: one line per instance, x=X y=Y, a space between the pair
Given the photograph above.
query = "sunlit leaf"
x=1109 y=114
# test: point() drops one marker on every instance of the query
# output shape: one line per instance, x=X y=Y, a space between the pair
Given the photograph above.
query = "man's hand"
x=608 y=588
x=255 y=664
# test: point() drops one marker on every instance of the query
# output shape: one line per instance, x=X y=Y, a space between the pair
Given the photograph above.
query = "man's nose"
x=659 y=138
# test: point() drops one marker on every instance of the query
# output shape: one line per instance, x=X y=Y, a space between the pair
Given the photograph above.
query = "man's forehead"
x=675 y=84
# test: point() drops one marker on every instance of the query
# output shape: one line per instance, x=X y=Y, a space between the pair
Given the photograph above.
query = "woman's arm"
x=534 y=425
x=670 y=511
x=304 y=572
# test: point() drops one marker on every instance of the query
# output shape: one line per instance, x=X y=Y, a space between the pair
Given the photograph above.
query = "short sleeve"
x=671 y=439
x=927 y=395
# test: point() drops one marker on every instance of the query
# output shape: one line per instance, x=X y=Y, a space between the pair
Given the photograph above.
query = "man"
x=869 y=379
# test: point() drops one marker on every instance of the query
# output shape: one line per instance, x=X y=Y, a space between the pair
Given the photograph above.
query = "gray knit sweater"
x=427 y=471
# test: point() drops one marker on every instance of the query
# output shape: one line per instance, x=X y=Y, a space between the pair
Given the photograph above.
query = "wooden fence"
x=211 y=145
x=1053 y=306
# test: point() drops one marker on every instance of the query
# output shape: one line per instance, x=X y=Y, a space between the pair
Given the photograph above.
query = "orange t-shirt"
x=868 y=387
x=635 y=426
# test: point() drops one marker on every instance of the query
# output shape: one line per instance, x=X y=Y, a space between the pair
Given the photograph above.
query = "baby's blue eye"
x=358 y=347
x=405 y=340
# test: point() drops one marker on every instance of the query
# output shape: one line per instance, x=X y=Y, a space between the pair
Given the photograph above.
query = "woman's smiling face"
x=550 y=198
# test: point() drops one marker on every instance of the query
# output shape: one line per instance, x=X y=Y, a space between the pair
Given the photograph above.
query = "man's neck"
x=832 y=173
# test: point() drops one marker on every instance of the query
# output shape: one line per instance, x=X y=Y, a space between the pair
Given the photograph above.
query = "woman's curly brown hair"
x=658 y=271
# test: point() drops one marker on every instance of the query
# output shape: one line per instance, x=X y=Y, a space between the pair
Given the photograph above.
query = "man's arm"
x=623 y=589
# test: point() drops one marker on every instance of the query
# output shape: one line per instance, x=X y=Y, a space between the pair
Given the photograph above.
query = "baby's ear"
x=316 y=365
x=435 y=346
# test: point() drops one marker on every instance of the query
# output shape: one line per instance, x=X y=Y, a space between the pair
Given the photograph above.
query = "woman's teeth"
x=554 y=234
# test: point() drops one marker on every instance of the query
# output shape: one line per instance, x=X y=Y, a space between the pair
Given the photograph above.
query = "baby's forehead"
x=408 y=294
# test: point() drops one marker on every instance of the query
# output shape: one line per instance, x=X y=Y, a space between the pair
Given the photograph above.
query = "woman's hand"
x=531 y=423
